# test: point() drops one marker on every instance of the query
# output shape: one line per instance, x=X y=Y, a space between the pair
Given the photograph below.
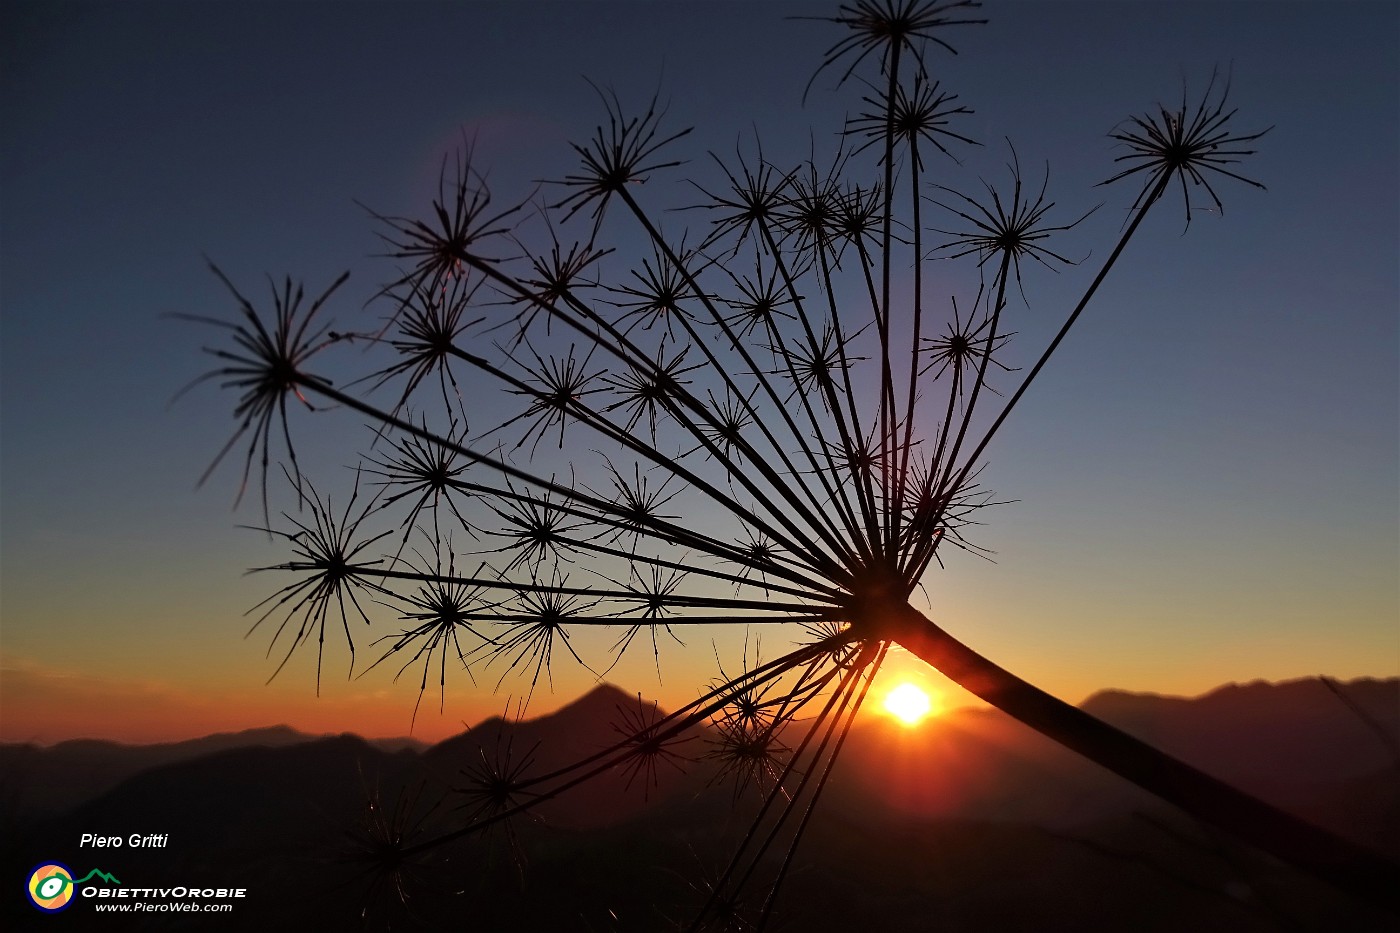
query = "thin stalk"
x=906 y=449
x=981 y=371
x=600 y=423
x=822 y=527
x=864 y=492
x=842 y=695
x=821 y=785
x=350 y=401
x=888 y=422
x=621 y=347
x=1069 y=322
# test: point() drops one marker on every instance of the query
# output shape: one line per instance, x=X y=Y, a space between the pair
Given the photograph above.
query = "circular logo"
x=51 y=887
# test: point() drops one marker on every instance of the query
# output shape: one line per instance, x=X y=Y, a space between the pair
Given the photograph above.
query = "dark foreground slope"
x=972 y=824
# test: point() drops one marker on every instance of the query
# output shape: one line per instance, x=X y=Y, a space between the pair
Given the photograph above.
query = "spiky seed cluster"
x=640 y=727
x=335 y=577
x=1007 y=232
x=1187 y=143
x=268 y=365
x=437 y=249
x=378 y=849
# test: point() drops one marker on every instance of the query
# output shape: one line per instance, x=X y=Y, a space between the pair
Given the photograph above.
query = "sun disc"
x=908 y=704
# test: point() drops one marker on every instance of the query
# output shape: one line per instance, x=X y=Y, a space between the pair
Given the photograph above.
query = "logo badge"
x=51 y=887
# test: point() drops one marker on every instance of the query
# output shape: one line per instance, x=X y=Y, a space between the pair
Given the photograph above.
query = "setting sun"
x=909 y=704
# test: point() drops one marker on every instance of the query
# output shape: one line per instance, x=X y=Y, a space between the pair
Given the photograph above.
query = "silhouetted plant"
x=779 y=428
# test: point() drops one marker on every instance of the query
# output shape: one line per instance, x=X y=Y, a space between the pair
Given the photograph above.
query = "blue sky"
x=1206 y=476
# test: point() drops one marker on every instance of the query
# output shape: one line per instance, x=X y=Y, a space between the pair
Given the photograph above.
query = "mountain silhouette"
x=64 y=775
x=970 y=822
x=591 y=724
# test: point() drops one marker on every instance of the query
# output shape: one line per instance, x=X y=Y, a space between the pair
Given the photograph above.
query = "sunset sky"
x=1206 y=478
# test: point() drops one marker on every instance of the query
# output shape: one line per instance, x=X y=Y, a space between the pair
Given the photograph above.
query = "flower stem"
x=1344 y=864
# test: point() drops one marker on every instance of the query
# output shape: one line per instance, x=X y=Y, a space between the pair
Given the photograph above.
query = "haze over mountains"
x=972 y=819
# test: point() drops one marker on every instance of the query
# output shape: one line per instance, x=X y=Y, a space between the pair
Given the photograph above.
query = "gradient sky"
x=1206 y=476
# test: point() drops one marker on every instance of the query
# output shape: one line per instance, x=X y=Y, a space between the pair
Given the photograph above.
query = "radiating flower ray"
x=938 y=513
x=267 y=366
x=747 y=754
x=429 y=325
x=858 y=220
x=811 y=213
x=815 y=367
x=496 y=792
x=560 y=384
x=638 y=504
x=462 y=220
x=961 y=345
x=732 y=417
x=638 y=728
x=386 y=879
x=1186 y=144
x=1015 y=228
x=650 y=392
x=327 y=549
x=427 y=474
x=535 y=624
x=758 y=303
x=535 y=529
x=622 y=154
x=656 y=588
x=438 y=613
x=655 y=298
x=860 y=463
x=555 y=279
x=756 y=194
x=758 y=554
x=745 y=700
x=919 y=112
x=889 y=27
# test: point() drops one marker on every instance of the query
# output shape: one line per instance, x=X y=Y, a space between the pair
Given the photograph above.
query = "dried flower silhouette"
x=779 y=429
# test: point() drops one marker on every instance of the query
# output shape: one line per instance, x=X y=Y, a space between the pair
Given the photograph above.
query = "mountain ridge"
x=1229 y=727
x=1002 y=804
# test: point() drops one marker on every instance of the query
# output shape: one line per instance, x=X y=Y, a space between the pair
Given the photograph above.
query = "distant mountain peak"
x=1117 y=698
x=607 y=694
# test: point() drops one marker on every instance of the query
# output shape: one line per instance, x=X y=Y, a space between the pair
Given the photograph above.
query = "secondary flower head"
x=1186 y=144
